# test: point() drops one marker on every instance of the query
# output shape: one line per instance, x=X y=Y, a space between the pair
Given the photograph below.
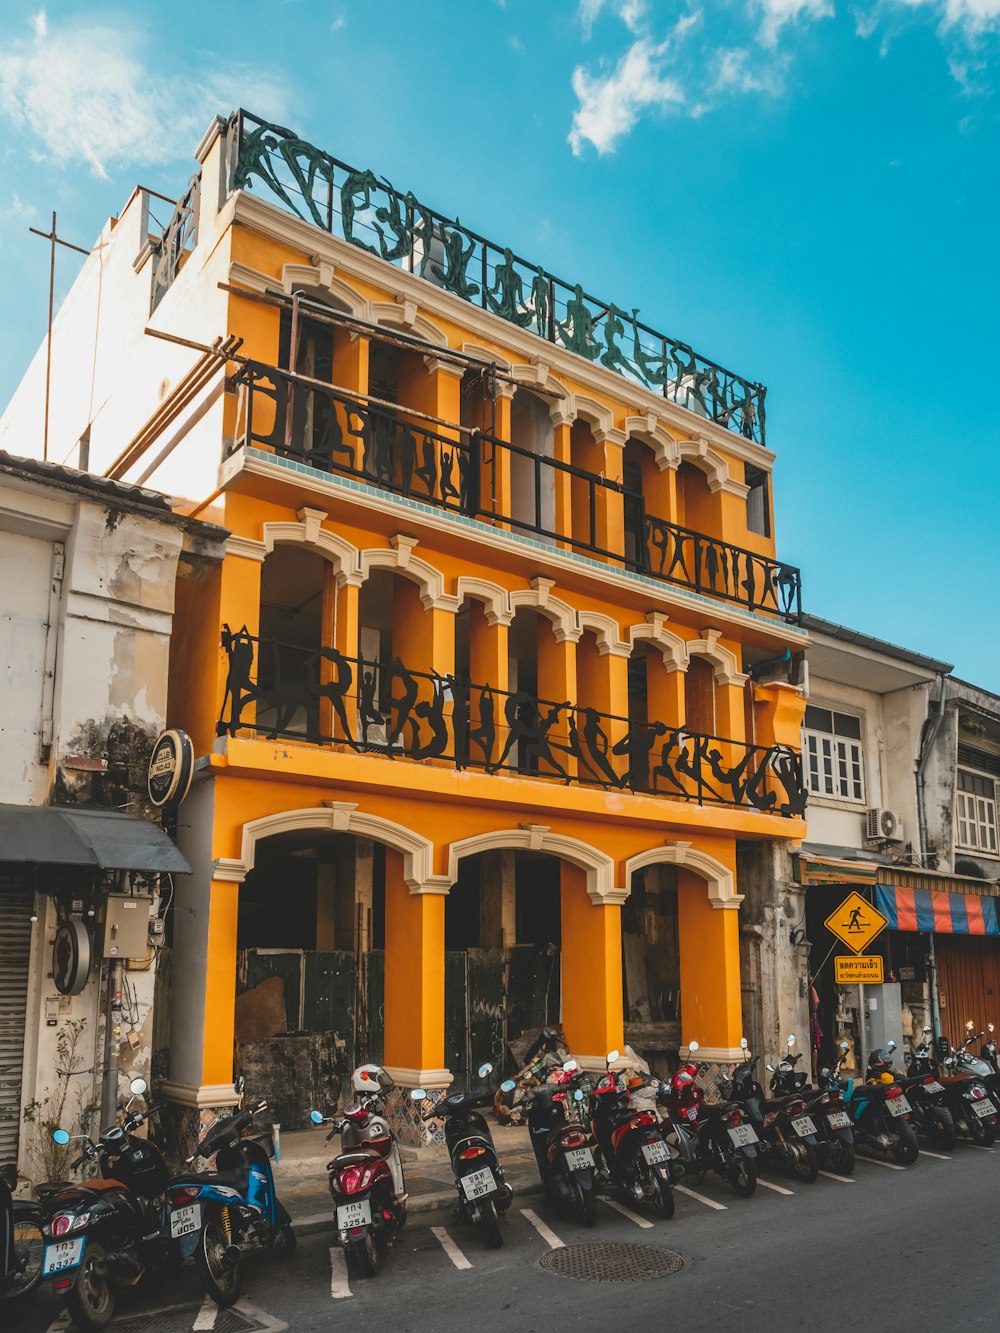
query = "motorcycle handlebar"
x=73 y=1166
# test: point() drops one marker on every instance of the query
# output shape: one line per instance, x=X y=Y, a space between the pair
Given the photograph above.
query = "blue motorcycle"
x=218 y=1215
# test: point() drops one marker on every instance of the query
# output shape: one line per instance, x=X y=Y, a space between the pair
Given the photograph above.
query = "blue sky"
x=805 y=190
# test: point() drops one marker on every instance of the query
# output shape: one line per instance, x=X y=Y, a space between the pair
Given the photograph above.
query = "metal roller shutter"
x=16 y=903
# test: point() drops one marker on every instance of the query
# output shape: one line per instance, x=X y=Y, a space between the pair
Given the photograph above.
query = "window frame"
x=979 y=815
x=843 y=770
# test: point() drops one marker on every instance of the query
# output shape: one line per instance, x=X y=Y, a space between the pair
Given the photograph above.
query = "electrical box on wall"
x=126 y=925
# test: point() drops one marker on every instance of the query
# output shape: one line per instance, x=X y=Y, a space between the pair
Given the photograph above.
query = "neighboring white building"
x=901 y=762
x=86 y=605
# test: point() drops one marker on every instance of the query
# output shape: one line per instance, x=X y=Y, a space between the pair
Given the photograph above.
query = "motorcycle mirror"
x=791 y=1041
x=138 y=1086
x=770 y=1069
x=570 y=1067
x=969 y=1025
x=743 y=1043
x=418 y=1095
x=693 y=1046
x=890 y=1045
x=508 y=1085
x=613 y=1056
x=578 y=1095
x=60 y=1136
x=990 y=1026
x=484 y=1070
x=315 y=1117
x=845 y=1045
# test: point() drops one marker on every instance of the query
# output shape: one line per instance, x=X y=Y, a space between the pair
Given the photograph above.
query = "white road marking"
x=939 y=1155
x=844 y=1180
x=627 y=1212
x=450 y=1248
x=339 y=1285
x=550 y=1237
x=205 y=1318
x=778 y=1189
x=893 y=1166
x=980 y=1147
x=710 y=1203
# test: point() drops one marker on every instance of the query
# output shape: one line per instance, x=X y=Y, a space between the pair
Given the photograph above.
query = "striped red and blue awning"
x=933 y=910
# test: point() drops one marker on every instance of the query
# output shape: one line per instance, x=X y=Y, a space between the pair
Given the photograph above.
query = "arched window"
x=532 y=487
x=699 y=696
x=291 y=636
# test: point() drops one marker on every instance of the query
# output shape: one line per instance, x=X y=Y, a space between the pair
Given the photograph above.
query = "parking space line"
x=550 y=1237
x=778 y=1189
x=832 y=1175
x=979 y=1147
x=450 y=1248
x=627 y=1212
x=939 y=1155
x=709 y=1203
x=339 y=1285
x=892 y=1166
x=206 y=1316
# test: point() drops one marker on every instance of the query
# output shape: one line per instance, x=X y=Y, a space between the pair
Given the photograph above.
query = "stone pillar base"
x=403 y=1114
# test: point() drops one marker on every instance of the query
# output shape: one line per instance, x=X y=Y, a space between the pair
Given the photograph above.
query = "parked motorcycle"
x=218 y=1215
x=631 y=1141
x=710 y=1136
x=545 y=1056
x=825 y=1106
x=366 y=1178
x=979 y=1066
x=988 y=1052
x=973 y=1110
x=102 y=1235
x=788 y=1135
x=483 y=1193
x=928 y=1098
x=21 y=1241
x=563 y=1147
x=880 y=1114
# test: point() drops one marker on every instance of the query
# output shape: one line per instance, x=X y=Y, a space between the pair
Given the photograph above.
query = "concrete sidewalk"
x=301 y=1175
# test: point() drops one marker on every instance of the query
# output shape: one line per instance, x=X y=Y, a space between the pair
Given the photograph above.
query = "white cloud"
x=85 y=93
x=778 y=14
x=610 y=103
x=631 y=12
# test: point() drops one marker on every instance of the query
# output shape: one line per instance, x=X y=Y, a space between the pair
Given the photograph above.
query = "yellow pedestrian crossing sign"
x=856 y=922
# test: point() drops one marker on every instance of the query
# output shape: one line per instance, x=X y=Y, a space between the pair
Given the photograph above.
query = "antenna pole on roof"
x=53 y=240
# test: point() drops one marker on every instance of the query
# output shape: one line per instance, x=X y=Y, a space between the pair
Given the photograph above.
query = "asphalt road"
x=896 y=1249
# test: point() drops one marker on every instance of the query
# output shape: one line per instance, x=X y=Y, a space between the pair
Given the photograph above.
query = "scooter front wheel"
x=842 y=1157
x=218 y=1261
x=91 y=1299
x=29 y=1245
x=364 y=1256
x=980 y=1132
x=490 y=1223
x=905 y=1148
x=661 y=1194
x=742 y=1176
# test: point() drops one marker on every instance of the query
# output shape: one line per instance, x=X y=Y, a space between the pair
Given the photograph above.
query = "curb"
x=312 y=1223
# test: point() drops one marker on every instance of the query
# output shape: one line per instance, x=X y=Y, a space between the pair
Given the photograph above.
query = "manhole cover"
x=612 y=1261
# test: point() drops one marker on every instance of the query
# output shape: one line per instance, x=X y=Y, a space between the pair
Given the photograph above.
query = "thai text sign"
x=859 y=971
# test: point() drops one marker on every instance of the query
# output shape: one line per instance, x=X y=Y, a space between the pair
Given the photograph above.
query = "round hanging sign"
x=171 y=768
x=71 y=956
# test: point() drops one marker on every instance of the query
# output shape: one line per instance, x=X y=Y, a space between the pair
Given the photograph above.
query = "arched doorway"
x=310 y=968
x=651 y=966
x=503 y=933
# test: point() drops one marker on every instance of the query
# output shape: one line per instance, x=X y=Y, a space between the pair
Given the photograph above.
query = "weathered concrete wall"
x=774 y=971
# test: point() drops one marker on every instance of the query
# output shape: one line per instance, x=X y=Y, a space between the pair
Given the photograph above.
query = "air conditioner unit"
x=883 y=826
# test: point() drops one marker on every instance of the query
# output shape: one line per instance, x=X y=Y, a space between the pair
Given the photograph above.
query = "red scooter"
x=631 y=1141
x=366 y=1179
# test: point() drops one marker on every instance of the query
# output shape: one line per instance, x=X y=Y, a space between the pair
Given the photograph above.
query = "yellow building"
x=495 y=673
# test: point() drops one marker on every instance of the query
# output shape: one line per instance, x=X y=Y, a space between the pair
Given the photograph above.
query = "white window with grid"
x=832 y=755
x=976 y=812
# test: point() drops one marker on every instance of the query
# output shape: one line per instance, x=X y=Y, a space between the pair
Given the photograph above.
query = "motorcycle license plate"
x=984 y=1108
x=478 y=1183
x=897 y=1106
x=579 y=1159
x=62 y=1254
x=184 y=1221
x=743 y=1135
x=804 y=1125
x=656 y=1152
x=933 y=1087
x=838 y=1120
x=358 y=1213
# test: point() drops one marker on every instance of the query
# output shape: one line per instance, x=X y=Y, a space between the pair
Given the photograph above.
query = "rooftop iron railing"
x=465 y=473
x=369 y=212
x=319 y=695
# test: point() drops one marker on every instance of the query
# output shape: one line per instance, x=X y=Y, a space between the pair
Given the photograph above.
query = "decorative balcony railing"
x=341 y=434
x=282 y=690
x=370 y=213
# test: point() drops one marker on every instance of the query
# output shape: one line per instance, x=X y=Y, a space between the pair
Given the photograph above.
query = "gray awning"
x=73 y=836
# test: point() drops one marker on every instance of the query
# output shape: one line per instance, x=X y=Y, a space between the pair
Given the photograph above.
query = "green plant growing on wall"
x=55 y=1110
